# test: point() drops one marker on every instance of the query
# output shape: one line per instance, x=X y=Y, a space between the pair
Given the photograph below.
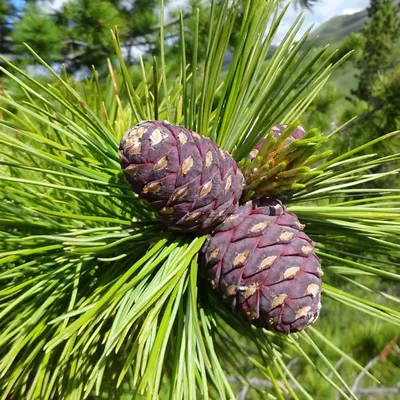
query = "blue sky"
x=18 y=3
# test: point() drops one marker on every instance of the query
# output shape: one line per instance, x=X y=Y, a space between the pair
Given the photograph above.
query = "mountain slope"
x=339 y=27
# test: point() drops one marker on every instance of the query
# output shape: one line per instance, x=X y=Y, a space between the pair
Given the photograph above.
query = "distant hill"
x=339 y=27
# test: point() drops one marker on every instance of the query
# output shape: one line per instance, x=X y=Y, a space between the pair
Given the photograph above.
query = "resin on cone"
x=190 y=182
x=265 y=266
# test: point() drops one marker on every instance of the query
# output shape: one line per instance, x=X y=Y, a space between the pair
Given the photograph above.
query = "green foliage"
x=377 y=101
x=39 y=31
x=387 y=89
x=79 y=33
x=88 y=23
x=323 y=112
x=381 y=35
x=372 y=69
x=359 y=337
x=355 y=44
x=141 y=17
x=97 y=299
x=190 y=23
x=6 y=11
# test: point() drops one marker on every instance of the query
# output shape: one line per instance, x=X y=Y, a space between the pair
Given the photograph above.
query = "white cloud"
x=350 y=11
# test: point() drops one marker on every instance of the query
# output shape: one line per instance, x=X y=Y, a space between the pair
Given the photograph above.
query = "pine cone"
x=190 y=182
x=281 y=162
x=277 y=131
x=265 y=267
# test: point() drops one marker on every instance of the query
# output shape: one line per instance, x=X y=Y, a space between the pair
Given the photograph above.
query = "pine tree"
x=87 y=24
x=40 y=31
x=381 y=38
x=375 y=101
x=6 y=12
x=78 y=33
x=141 y=26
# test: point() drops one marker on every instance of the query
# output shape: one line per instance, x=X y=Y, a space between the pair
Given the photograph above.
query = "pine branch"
x=97 y=294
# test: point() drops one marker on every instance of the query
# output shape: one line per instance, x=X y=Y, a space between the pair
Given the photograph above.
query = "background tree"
x=377 y=92
x=87 y=24
x=141 y=23
x=372 y=70
x=40 y=31
x=381 y=35
x=6 y=13
x=78 y=33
